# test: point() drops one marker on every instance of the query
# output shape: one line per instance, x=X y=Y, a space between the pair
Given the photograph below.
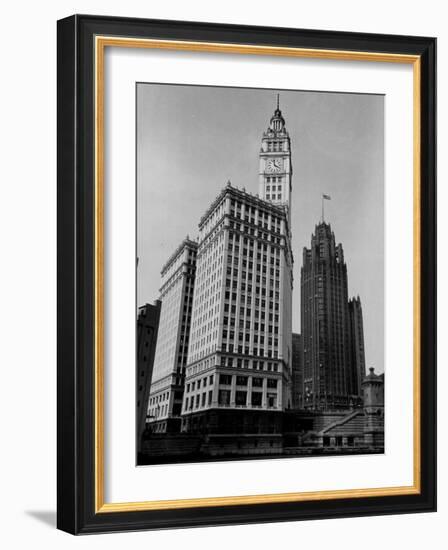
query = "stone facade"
x=373 y=396
x=240 y=344
x=176 y=295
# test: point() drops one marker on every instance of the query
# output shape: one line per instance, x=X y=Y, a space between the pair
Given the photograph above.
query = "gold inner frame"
x=101 y=42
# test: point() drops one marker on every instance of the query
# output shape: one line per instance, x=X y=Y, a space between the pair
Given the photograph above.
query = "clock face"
x=274 y=165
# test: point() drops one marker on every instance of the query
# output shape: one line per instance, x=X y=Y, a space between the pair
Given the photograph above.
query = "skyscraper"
x=240 y=344
x=330 y=377
x=176 y=294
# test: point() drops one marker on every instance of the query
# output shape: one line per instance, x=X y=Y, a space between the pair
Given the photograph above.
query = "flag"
x=326 y=197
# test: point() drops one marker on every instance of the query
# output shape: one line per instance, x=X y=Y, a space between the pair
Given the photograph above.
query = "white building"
x=176 y=294
x=241 y=328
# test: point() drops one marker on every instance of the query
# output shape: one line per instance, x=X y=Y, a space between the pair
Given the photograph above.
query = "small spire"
x=229 y=184
x=278 y=102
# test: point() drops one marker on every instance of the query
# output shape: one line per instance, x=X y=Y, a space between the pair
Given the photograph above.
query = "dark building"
x=330 y=379
x=357 y=341
x=297 y=371
x=147 y=328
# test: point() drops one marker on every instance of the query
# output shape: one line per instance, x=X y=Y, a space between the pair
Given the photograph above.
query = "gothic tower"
x=275 y=175
x=330 y=380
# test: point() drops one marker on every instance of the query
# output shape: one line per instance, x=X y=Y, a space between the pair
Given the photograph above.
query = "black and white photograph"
x=260 y=273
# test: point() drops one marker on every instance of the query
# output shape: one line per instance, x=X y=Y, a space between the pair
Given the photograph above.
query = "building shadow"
x=48 y=517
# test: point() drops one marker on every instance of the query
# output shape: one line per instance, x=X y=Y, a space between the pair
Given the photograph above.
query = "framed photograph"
x=246 y=274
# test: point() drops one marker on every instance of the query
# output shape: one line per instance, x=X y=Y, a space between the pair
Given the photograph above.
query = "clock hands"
x=274 y=165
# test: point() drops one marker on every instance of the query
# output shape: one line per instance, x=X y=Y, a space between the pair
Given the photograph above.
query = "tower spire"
x=278 y=102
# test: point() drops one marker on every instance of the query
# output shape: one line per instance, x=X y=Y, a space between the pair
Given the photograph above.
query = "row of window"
x=262 y=223
x=263 y=269
x=258 y=292
x=159 y=398
x=198 y=401
x=241 y=398
x=224 y=399
x=242 y=380
x=248 y=252
x=274 y=197
x=257 y=352
x=275 y=145
x=254 y=364
x=246 y=337
x=201 y=382
x=273 y=188
x=254 y=232
x=252 y=211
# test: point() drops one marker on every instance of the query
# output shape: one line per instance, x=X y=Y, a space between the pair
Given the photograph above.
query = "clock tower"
x=275 y=179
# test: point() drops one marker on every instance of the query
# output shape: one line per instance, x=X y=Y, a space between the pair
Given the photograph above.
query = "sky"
x=192 y=139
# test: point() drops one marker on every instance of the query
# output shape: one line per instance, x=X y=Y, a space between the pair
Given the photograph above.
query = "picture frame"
x=82 y=194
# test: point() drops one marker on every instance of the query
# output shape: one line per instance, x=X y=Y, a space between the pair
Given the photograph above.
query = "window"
x=240 y=398
x=272 y=400
x=257 y=382
x=224 y=397
x=225 y=379
x=272 y=382
x=256 y=398
x=241 y=380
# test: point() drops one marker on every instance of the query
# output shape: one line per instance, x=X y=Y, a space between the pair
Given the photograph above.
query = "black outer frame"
x=75 y=172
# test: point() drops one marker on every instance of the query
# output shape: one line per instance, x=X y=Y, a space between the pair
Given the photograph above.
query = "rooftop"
x=187 y=242
x=241 y=194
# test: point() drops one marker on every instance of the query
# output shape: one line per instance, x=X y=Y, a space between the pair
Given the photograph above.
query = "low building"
x=373 y=396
